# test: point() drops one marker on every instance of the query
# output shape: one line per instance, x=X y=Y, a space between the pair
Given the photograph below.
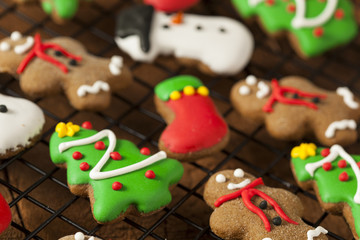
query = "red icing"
x=150 y=174
x=100 y=145
x=87 y=125
x=247 y=193
x=278 y=92
x=343 y=177
x=39 y=49
x=327 y=166
x=115 y=156
x=358 y=164
x=270 y=2
x=117 y=186
x=84 y=166
x=171 y=5
x=145 y=151
x=325 y=152
x=291 y=8
x=318 y=32
x=339 y=14
x=5 y=214
x=342 y=163
x=77 y=155
x=197 y=125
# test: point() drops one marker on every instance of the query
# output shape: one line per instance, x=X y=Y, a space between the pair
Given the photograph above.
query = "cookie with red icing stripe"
x=246 y=209
x=5 y=214
x=195 y=127
x=45 y=67
x=292 y=108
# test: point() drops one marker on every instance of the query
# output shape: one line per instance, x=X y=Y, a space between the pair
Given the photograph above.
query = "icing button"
x=150 y=174
x=223 y=30
x=86 y=125
x=73 y=62
x=199 y=27
x=203 y=91
x=77 y=155
x=58 y=54
x=189 y=90
x=263 y=205
x=84 y=166
x=343 y=177
x=165 y=26
x=296 y=96
x=175 y=95
x=100 y=145
x=3 y=108
x=117 y=186
x=276 y=221
x=316 y=100
x=145 y=151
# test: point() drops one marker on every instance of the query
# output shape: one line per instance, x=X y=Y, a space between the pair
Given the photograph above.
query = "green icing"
x=277 y=18
x=145 y=194
x=331 y=189
x=165 y=88
x=64 y=8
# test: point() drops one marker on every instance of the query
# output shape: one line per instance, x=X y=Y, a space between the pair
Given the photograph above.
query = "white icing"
x=300 y=20
x=266 y=239
x=254 y=3
x=5 y=46
x=348 y=97
x=115 y=65
x=244 y=90
x=232 y=186
x=15 y=36
x=95 y=172
x=316 y=232
x=94 y=89
x=335 y=151
x=23 y=121
x=239 y=172
x=223 y=52
x=91 y=238
x=339 y=125
x=263 y=91
x=251 y=80
x=21 y=49
x=220 y=178
x=79 y=236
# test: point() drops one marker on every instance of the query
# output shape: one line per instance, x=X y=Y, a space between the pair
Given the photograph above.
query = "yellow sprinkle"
x=189 y=90
x=68 y=129
x=304 y=151
x=203 y=91
x=59 y=126
x=175 y=95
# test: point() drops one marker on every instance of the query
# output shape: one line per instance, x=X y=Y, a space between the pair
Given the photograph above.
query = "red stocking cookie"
x=5 y=214
x=195 y=129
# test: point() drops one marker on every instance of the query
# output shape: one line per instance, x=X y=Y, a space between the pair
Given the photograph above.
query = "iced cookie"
x=22 y=122
x=5 y=214
x=246 y=209
x=195 y=127
x=61 y=10
x=214 y=44
x=335 y=177
x=79 y=236
x=117 y=177
x=293 y=108
x=63 y=64
x=313 y=27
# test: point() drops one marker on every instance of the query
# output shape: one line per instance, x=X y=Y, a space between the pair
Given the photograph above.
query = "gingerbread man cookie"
x=216 y=45
x=334 y=175
x=246 y=209
x=5 y=214
x=79 y=236
x=195 y=127
x=63 y=64
x=22 y=123
x=117 y=177
x=293 y=108
x=313 y=27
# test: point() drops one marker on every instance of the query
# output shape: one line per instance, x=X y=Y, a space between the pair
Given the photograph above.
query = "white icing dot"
x=79 y=236
x=220 y=178
x=251 y=80
x=92 y=238
x=15 y=36
x=239 y=172
x=266 y=239
x=244 y=90
x=4 y=47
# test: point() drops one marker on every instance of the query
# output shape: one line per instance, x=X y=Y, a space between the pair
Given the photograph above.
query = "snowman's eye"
x=3 y=108
x=165 y=26
x=222 y=30
x=220 y=178
x=199 y=27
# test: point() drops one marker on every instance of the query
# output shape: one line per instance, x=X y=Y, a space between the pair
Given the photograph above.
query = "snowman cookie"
x=63 y=64
x=21 y=124
x=246 y=209
x=214 y=44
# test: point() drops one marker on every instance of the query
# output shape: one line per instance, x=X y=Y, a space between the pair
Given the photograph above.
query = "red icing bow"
x=39 y=49
x=247 y=193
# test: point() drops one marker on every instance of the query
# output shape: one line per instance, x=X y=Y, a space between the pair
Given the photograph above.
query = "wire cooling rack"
x=37 y=191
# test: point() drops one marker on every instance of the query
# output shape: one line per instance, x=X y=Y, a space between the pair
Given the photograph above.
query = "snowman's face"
x=20 y=120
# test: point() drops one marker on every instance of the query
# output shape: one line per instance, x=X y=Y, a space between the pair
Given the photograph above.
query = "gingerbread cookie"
x=118 y=178
x=22 y=122
x=79 y=236
x=246 y=209
x=171 y=5
x=216 y=45
x=293 y=108
x=5 y=214
x=334 y=175
x=62 y=63
x=313 y=27
x=195 y=127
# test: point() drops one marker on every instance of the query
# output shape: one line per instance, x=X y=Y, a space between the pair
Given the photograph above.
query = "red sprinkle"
x=339 y=14
x=270 y=2
x=150 y=174
x=325 y=152
x=343 y=177
x=86 y=125
x=100 y=145
x=84 y=166
x=318 y=32
x=77 y=155
x=342 y=163
x=291 y=7
x=145 y=151
x=117 y=186
x=327 y=166
x=115 y=156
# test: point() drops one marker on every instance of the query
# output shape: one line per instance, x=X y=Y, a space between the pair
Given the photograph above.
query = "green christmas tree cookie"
x=117 y=177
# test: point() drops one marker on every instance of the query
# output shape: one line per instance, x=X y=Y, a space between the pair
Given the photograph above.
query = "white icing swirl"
x=94 y=89
x=348 y=97
x=340 y=125
x=21 y=49
x=316 y=232
x=232 y=186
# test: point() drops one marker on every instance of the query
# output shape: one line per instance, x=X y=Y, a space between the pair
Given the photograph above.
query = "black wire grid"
x=272 y=58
